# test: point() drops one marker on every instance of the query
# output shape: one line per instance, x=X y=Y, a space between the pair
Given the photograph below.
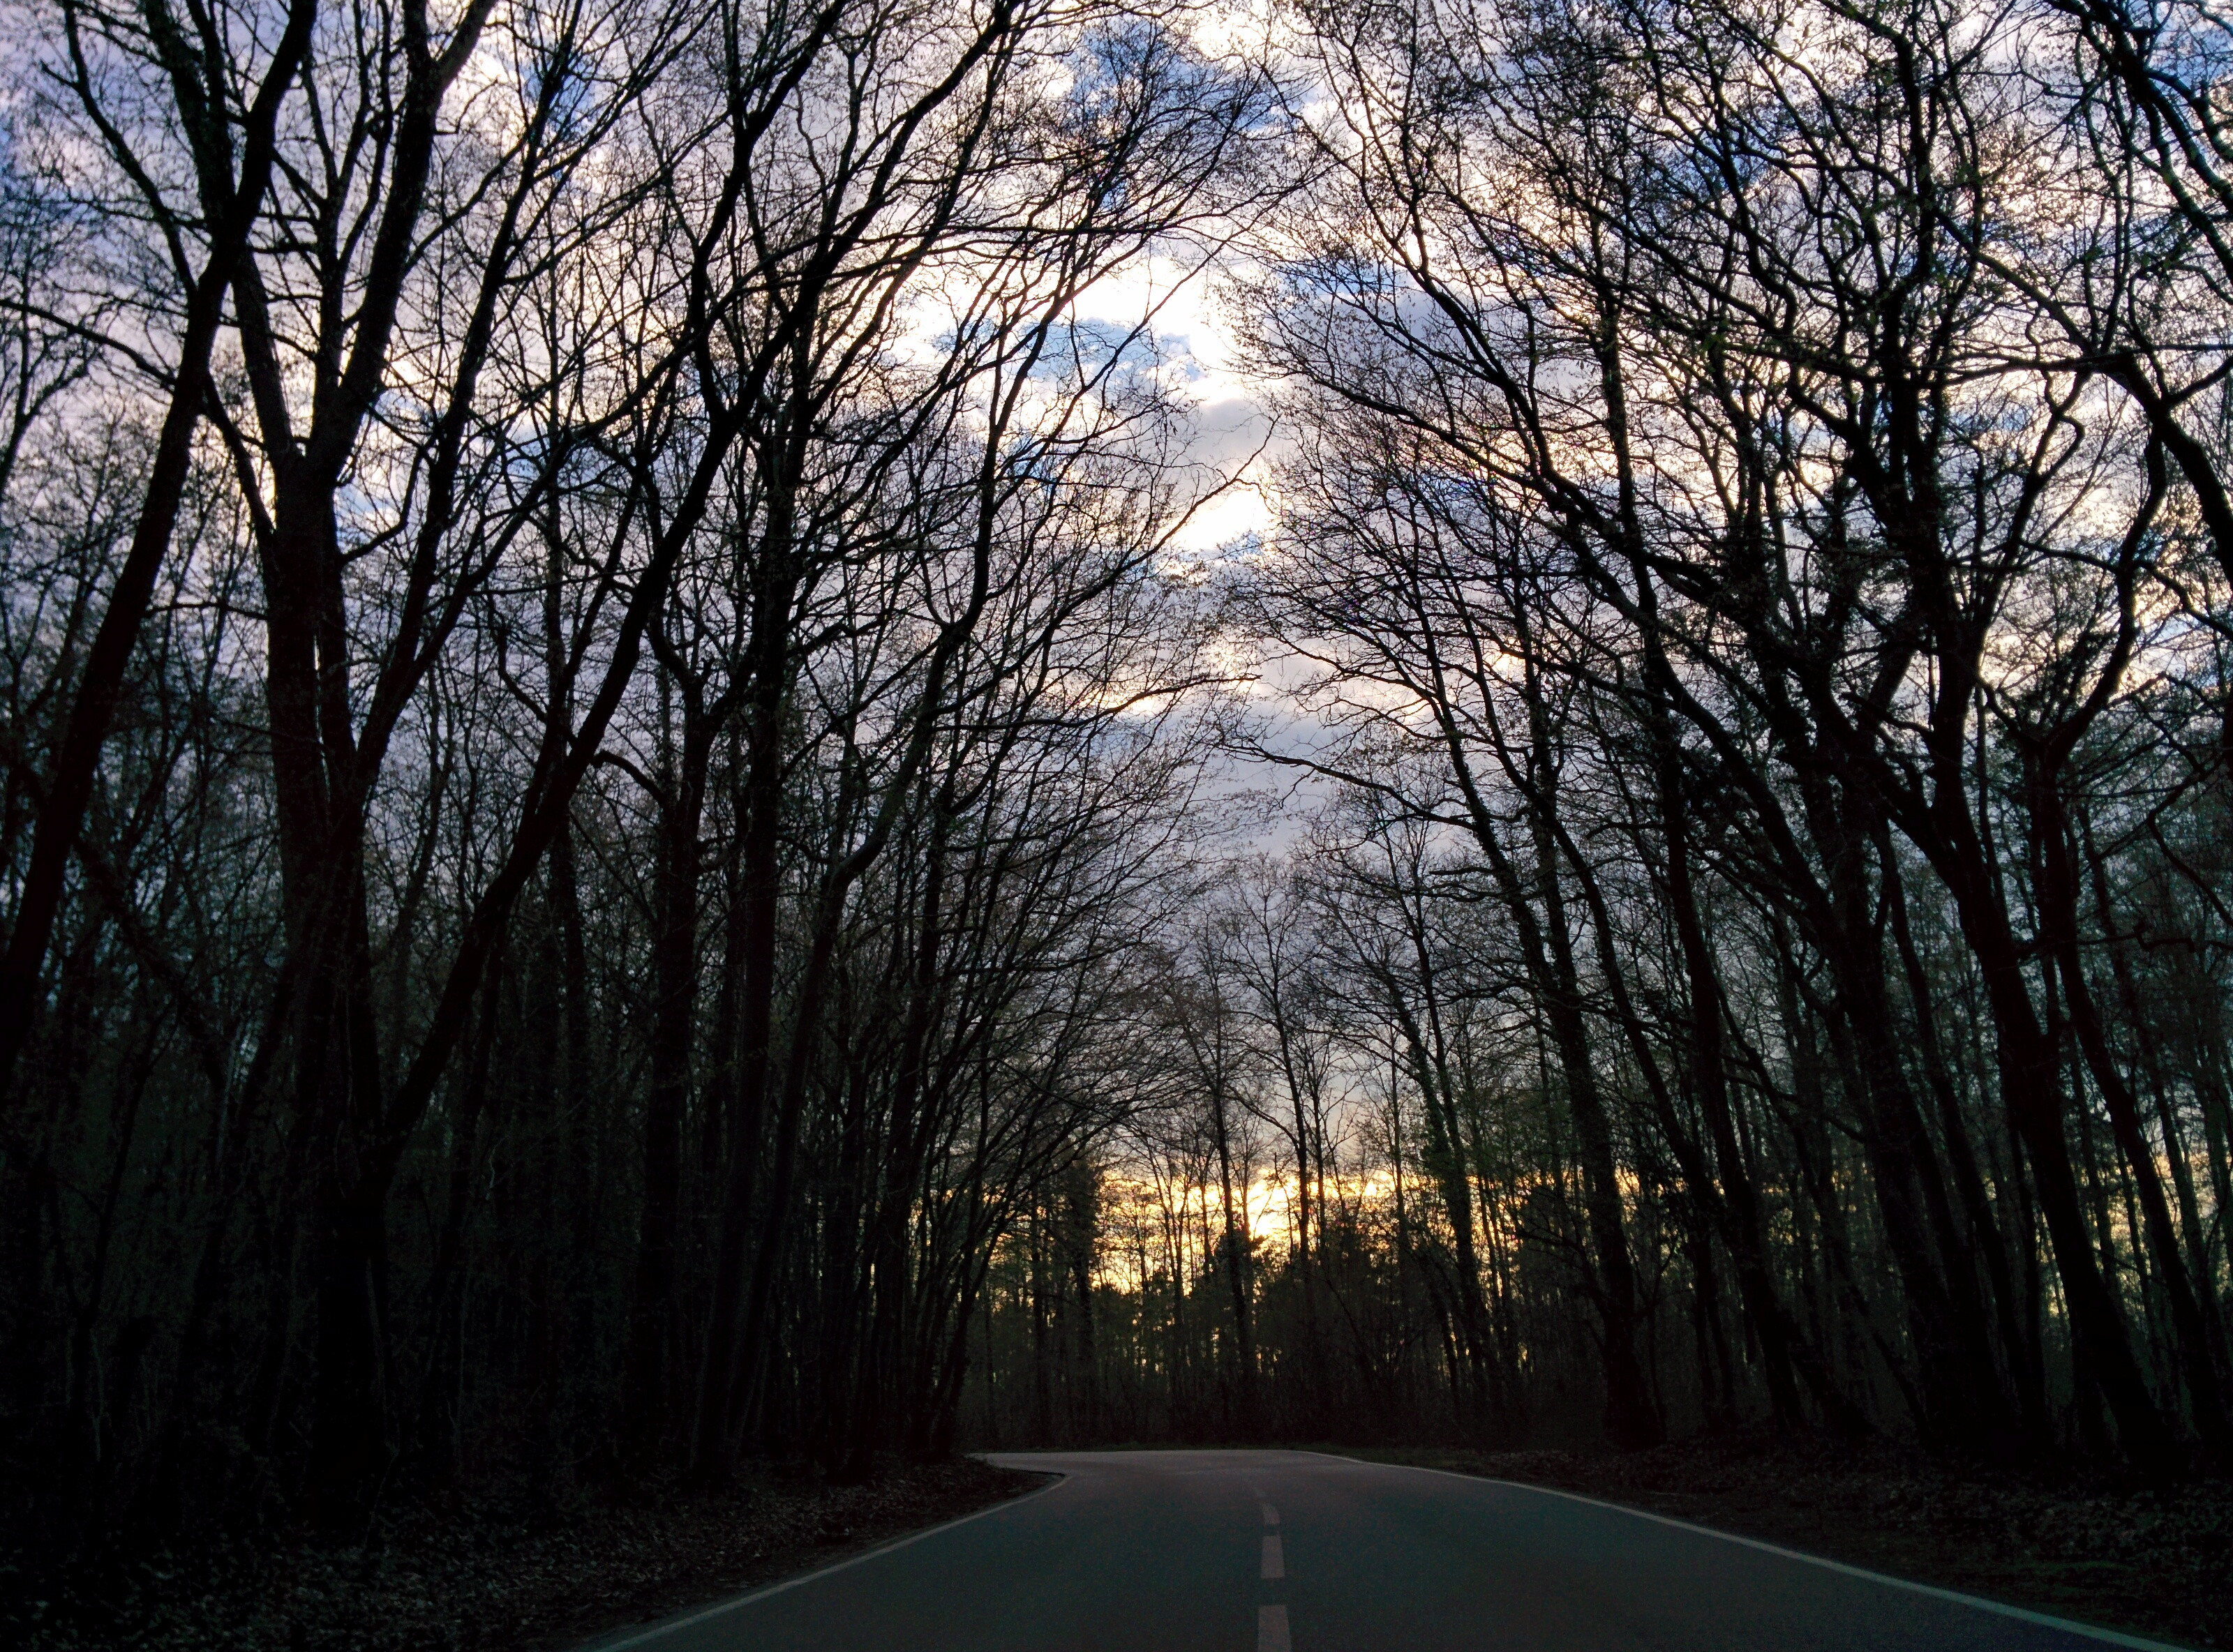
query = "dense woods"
x=642 y=831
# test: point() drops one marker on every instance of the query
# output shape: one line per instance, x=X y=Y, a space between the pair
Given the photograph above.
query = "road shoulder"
x=2154 y=1561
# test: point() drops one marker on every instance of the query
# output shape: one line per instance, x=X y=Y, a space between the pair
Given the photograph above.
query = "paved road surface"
x=1293 y=1552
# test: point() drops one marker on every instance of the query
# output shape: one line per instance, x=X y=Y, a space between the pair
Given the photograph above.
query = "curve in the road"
x=1302 y=1552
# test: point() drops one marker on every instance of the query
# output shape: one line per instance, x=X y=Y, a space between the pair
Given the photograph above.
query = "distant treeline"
x=619 y=744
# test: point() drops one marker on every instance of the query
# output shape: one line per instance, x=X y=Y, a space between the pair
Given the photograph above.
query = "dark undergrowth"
x=485 y=1574
x=2148 y=1559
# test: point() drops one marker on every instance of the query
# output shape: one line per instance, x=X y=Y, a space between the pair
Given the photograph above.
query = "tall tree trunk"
x=759 y=890
x=646 y=1388
x=1234 y=1247
x=2031 y=1089
x=2058 y=898
x=1985 y=1236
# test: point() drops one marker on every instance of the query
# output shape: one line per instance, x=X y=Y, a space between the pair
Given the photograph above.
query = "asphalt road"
x=1293 y=1551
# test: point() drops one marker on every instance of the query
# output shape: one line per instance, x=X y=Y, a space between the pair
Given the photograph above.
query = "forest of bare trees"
x=640 y=833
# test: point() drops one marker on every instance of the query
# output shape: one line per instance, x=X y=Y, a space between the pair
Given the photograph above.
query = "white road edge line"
x=2108 y=1638
x=1271 y=1629
x=1271 y=1515
x=645 y=1636
x=1275 y=1562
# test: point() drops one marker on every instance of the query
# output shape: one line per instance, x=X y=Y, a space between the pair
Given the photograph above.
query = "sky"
x=1195 y=340
x=1232 y=437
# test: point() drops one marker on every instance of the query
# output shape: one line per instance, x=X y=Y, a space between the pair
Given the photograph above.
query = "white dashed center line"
x=1271 y=1515
x=1275 y=1564
x=1271 y=1625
